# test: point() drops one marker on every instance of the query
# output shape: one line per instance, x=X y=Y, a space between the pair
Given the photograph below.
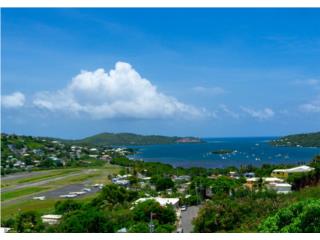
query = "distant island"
x=222 y=151
x=126 y=139
x=298 y=140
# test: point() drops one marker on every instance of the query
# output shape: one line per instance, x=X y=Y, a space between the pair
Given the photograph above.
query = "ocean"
x=251 y=150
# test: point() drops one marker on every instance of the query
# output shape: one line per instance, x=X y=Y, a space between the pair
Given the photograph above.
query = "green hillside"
x=131 y=139
x=303 y=140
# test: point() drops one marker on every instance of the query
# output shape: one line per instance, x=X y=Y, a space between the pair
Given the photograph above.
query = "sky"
x=72 y=73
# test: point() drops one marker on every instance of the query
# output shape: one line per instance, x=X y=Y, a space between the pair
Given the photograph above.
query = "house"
x=106 y=158
x=162 y=201
x=121 y=182
x=51 y=218
x=280 y=187
x=269 y=180
x=182 y=178
x=19 y=164
x=284 y=173
x=4 y=229
x=122 y=230
x=234 y=175
x=251 y=182
x=249 y=175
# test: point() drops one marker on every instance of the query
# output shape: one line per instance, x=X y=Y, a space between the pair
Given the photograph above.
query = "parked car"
x=183 y=208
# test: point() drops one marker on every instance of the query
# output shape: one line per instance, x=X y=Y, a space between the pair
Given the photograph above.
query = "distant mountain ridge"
x=131 y=139
x=296 y=140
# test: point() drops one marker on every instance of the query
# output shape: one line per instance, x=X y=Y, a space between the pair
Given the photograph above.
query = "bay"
x=250 y=150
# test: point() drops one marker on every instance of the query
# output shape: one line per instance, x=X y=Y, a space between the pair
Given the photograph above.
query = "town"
x=102 y=183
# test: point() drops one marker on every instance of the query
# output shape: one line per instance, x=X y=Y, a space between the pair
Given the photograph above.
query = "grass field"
x=20 y=203
x=43 y=207
x=21 y=192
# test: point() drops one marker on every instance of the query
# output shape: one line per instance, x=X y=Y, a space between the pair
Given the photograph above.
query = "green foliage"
x=219 y=216
x=62 y=207
x=140 y=227
x=299 y=217
x=304 y=140
x=165 y=228
x=9 y=223
x=28 y=222
x=112 y=195
x=143 y=210
x=86 y=221
x=223 y=185
x=162 y=183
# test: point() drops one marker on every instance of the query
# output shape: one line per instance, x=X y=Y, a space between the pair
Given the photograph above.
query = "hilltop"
x=296 y=140
x=116 y=139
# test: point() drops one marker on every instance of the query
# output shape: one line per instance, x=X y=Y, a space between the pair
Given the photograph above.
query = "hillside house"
x=284 y=173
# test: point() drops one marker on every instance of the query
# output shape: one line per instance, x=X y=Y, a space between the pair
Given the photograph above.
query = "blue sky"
x=204 y=72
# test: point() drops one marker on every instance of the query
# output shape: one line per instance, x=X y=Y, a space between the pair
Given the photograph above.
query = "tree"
x=162 y=183
x=164 y=215
x=29 y=222
x=90 y=220
x=112 y=195
x=223 y=185
x=140 y=227
x=63 y=207
x=299 y=217
x=218 y=216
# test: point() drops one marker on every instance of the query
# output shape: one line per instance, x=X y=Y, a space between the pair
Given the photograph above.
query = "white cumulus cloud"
x=14 y=100
x=119 y=93
x=263 y=114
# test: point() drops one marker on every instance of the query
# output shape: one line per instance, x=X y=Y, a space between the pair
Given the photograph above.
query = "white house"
x=162 y=201
x=281 y=187
x=268 y=180
x=51 y=218
x=286 y=172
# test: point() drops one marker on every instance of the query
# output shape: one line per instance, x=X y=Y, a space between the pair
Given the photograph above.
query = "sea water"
x=251 y=150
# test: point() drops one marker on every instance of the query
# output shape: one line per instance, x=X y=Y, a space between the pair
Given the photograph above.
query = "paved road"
x=187 y=217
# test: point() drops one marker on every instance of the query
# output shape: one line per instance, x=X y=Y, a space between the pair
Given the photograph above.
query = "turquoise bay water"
x=255 y=151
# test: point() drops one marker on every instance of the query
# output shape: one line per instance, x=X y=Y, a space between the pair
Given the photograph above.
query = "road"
x=187 y=217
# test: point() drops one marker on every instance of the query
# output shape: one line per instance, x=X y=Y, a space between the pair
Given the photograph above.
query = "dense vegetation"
x=300 y=217
x=108 y=212
x=125 y=139
x=303 y=140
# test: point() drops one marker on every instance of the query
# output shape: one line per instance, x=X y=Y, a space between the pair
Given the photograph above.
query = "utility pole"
x=197 y=192
x=151 y=225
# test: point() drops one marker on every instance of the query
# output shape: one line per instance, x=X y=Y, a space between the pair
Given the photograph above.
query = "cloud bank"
x=263 y=114
x=119 y=93
x=14 y=100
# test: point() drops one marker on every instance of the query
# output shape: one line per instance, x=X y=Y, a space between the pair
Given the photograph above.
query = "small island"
x=222 y=151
